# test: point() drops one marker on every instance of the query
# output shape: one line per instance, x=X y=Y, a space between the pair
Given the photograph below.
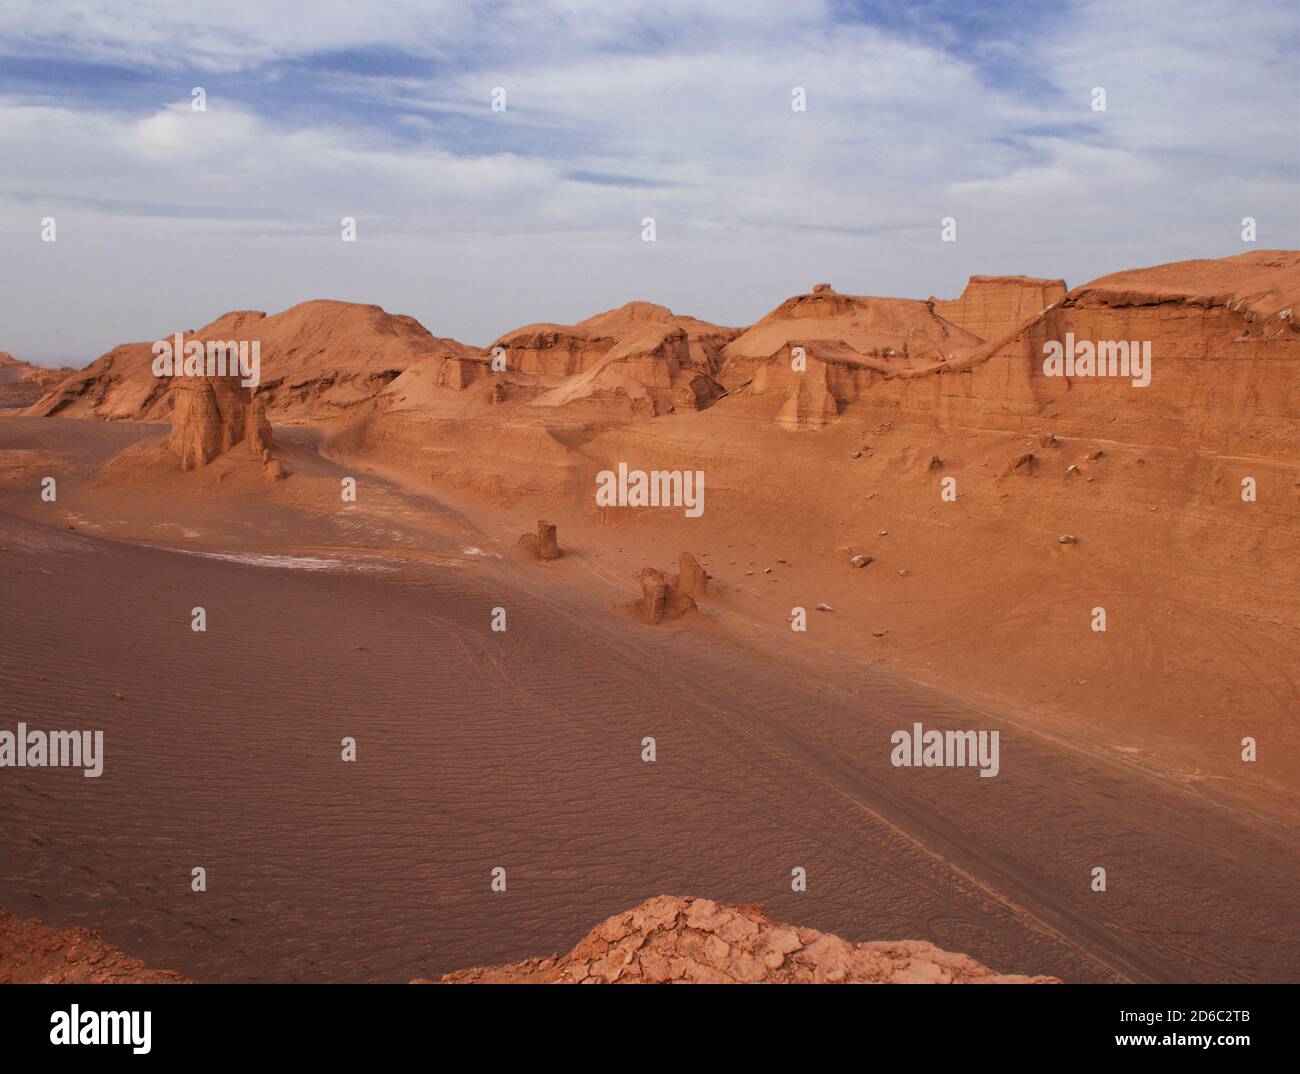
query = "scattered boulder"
x=1068 y=538
x=1027 y=462
x=861 y=561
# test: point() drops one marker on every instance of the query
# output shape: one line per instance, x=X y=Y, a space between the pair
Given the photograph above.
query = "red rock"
x=210 y=415
x=33 y=953
x=660 y=599
x=670 y=939
x=993 y=306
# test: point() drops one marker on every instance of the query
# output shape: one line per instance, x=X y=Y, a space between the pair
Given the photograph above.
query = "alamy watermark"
x=53 y=749
x=216 y=358
x=657 y=488
x=1105 y=358
x=946 y=749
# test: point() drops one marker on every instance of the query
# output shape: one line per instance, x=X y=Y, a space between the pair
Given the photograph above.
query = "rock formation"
x=32 y=953
x=671 y=940
x=542 y=544
x=994 y=306
x=661 y=599
x=691 y=578
x=210 y=415
x=821 y=351
x=318 y=359
x=640 y=356
x=1224 y=369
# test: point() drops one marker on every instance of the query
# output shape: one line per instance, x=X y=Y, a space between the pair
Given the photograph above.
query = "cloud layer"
x=477 y=221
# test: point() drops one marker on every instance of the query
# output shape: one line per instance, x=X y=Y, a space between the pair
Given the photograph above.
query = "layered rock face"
x=902 y=333
x=994 y=306
x=671 y=940
x=211 y=415
x=1224 y=368
x=642 y=355
x=821 y=351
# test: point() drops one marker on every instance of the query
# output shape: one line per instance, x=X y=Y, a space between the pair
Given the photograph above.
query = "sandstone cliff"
x=993 y=306
x=640 y=358
x=821 y=351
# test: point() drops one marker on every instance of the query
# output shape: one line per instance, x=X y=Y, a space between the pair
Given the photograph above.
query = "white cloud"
x=476 y=222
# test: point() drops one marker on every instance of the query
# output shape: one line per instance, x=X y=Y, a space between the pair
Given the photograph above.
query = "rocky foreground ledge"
x=673 y=940
x=666 y=940
x=32 y=953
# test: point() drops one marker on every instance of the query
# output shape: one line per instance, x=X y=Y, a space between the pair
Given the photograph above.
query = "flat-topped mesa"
x=992 y=307
x=210 y=415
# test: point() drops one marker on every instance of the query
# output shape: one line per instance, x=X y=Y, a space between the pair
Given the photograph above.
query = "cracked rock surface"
x=676 y=940
x=33 y=953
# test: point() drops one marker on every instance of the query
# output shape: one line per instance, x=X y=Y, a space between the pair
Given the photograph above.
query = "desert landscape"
x=567 y=705
x=648 y=493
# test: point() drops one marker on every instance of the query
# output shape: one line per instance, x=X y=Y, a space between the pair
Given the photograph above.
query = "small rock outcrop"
x=542 y=544
x=691 y=578
x=661 y=599
x=672 y=940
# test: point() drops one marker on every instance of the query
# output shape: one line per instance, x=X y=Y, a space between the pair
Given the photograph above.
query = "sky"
x=476 y=221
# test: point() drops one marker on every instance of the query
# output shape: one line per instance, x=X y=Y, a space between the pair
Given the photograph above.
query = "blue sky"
x=476 y=221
